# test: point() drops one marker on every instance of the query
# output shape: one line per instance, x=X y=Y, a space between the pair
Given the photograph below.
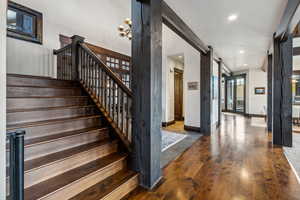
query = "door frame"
x=176 y=70
x=235 y=77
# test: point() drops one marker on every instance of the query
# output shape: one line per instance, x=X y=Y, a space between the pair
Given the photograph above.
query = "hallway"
x=236 y=163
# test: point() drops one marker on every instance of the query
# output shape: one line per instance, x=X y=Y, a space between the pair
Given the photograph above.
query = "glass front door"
x=235 y=94
x=240 y=95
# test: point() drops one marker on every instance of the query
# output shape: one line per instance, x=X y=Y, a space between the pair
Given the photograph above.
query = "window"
x=24 y=23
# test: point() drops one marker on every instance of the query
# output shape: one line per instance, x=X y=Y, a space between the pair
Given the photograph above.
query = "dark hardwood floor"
x=236 y=163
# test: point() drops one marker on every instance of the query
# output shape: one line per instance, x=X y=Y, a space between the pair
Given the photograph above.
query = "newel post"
x=75 y=55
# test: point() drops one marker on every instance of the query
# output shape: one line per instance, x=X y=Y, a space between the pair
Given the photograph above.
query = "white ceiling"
x=251 y=32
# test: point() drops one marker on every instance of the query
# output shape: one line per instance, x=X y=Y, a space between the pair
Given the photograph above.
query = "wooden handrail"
x=56 y=52
x=78 y=62
x=108 y=70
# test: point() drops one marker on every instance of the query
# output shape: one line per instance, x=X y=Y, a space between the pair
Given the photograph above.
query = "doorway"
x=178 y=94
x=235 y=97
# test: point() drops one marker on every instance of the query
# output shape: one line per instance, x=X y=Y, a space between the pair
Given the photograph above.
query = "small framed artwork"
x=193 y=85
x=260 y=90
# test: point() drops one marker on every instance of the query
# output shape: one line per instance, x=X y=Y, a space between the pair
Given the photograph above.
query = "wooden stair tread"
x=54 y=157
x=36 y=86
x=59 y=182
x=51 y=138
x=47 y=97
x=49 y=108
x=52 y=121
x=38 y=77
x=105 y=187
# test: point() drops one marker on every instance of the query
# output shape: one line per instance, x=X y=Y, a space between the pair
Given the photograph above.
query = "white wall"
x=174 y=45
x=97 y=21
x=192 y=97
x=3 y=7
x=257 y=103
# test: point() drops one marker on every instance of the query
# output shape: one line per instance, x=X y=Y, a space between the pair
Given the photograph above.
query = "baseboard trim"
x=255 y=115
x=165 y=124
x=192 y=128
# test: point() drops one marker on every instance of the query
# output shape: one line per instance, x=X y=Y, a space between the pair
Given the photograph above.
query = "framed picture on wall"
x=260 y=90
x=23 y=23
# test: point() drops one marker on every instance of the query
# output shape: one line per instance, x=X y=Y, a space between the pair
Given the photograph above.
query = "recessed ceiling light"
x=245 y=65
x=242 y=51
x=179 y=56
x=232 y=17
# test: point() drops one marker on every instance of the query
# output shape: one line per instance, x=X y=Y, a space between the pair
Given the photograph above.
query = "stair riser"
x=44 y=92
x=28 y=103
x=55 y=128
x=41 y=174
x=32 y=116
x=86 y=182
x=40 y=150
x=33 y=81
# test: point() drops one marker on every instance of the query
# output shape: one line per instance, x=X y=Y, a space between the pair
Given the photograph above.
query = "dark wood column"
x=146 y=85
x=205 y=91
x=282 y=90
x=220 y=91
x=269 y=105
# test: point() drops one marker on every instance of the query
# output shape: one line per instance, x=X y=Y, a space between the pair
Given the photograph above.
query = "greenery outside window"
x=24 y=23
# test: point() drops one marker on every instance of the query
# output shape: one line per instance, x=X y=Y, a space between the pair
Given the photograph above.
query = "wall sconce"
x=126 y=31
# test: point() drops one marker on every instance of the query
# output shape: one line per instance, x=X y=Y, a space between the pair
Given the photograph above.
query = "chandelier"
x=125 y=31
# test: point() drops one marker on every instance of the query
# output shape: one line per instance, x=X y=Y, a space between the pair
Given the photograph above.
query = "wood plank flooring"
x=238 y=162
x=178 y=127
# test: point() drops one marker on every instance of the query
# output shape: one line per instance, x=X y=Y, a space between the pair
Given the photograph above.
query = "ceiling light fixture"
x=242 y=51
x=232 y=17
x=126 y=32
x=245 y=65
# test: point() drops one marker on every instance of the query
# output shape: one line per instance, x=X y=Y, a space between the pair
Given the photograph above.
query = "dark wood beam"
x=284 y=26
x=205 y=91
x=296 y=51
x=282 y=90
x=175 y=23
x=269 y=105
x=146 y=86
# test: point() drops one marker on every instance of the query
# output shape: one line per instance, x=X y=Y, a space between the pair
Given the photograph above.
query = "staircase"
x=71 y=150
